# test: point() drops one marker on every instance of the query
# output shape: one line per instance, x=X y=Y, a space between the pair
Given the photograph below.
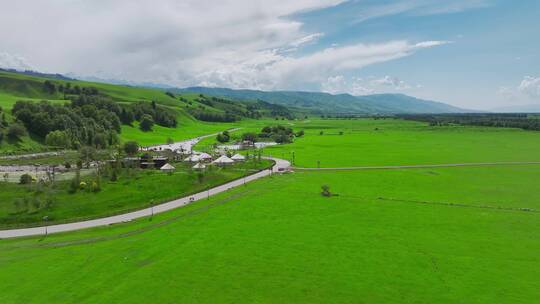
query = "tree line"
x=88 y=120
x=504 y=120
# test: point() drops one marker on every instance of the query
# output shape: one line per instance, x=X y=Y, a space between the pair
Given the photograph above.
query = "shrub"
x=1 y=136
x=25 y=179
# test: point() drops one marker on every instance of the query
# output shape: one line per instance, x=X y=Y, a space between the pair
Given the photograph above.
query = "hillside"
x=319 y=103
x=195 y=113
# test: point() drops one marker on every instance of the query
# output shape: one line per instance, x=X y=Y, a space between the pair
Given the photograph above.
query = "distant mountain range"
x=321 y=103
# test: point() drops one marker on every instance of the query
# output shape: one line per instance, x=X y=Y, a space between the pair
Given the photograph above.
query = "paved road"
x=278 y=167
x=419 y=166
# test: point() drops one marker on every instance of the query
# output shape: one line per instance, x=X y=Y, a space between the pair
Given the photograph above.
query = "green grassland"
x=406 y=143
x=279 y=240
x=134 y=189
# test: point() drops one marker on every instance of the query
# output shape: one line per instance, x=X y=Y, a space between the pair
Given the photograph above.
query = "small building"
x=167 y=168
x=199 y=166
x=238 y=157
x=223 y=161
x=205 y=157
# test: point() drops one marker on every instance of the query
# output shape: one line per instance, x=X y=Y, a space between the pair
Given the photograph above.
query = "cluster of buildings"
x=199 y=160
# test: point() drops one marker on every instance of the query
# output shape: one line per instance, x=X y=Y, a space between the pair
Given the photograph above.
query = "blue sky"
x=494 y=45
x=478 y=54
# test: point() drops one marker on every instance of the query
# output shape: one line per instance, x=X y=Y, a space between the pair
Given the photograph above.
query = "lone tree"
x=325 y=191
x=131 y=148
x=147 y=122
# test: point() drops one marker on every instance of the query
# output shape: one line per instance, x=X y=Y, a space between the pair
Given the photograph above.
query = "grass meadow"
x=430 y=235
x=134 y=189
x=279 y=240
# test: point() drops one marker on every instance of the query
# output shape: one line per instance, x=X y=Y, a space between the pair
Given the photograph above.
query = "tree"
x=147 y=122
x=249 y=136
x=100 y=141
x=131 y=148
x=223 y=138
x=325 y=190
x=1 y=136
x=58 y=139
x=87 y=154
x=16 y=131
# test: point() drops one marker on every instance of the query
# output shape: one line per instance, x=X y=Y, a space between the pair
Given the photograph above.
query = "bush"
x=16 y=131
x=1 y=136
x=25 y=179
x=300 y=133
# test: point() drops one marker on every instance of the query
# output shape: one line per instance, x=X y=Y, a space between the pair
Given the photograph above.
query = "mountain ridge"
x=325 y=103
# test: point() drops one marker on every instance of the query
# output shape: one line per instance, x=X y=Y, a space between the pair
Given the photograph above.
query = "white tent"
x=205 y=156
x=192 y=158
x=223 y=160
x=167 y=168
x=238 y=157
x=199 y=166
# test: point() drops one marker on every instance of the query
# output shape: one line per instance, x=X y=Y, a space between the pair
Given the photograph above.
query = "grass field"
x=398 y=142
x=431 y=235
x=134 y=190
x=279 y=240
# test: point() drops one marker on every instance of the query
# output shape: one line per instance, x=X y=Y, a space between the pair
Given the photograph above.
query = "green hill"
x=196 y=114
x=320 y=103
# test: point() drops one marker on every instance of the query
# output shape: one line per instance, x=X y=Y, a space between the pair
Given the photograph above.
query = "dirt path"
x=489 y=164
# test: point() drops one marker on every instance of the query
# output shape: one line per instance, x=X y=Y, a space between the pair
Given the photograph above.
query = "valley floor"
x=416 y=235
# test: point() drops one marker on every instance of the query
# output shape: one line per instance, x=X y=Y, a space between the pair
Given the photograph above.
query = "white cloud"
x=392 y=82
x=368 y=85
x=233 y=43
x=340 y=84
x=11 y=61
x=530 y=86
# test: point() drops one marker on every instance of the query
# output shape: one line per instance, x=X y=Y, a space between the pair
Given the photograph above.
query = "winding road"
x=279 y=166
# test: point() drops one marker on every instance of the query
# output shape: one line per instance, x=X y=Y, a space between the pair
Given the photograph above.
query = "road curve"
x=279 y=166
x=419 y=166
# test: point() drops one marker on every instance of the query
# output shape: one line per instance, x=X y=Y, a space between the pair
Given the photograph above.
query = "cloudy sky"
x=478 y=54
